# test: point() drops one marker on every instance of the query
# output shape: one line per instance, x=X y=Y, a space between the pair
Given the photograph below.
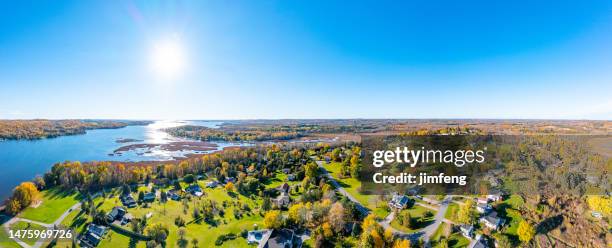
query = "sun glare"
x=168 y=58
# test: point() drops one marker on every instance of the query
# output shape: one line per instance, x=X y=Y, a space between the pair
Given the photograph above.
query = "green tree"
x=159 y=233
x=312 y=170
x=335 y=154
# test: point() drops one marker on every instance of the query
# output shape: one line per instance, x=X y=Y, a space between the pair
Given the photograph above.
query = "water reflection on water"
x=22 y=160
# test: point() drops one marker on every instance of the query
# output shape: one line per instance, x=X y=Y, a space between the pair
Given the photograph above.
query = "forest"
x=39 y=129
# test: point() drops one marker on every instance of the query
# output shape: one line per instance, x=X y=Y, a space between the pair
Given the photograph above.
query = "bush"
x=429 y=214
x=179 y=221
x=224 y=237
x=244 y=233
x=220 y=240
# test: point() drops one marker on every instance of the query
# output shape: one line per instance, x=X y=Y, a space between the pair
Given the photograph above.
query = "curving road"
x=425 y=233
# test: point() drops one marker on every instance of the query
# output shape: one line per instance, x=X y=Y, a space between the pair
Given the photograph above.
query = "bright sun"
x=168 y=59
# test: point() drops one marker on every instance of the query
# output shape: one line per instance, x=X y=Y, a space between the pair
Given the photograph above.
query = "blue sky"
x=309 y=59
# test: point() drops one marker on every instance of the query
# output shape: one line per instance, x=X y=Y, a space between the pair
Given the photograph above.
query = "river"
x=22 y=160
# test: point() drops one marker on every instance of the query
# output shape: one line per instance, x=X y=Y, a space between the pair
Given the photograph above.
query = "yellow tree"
x=26 y=194
x=273 y=219
x=229 y=187
x=600 y=203
x=525 y=231
x=466 y=214
x=297 y=213
x=327 y=230
x=402 y=243
x=371 y=234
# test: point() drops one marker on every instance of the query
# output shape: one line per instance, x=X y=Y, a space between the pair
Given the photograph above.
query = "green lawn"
x=76 y=220
x=278 y=180
x=116 y=240
x=415 y=211
x=55 y=202
x=514 y=201
x=439 y=232
x=513 y=218
x=204 y=232
x=5 y=242
x=352 y=185
x=22 y=225
x=457 y=240
x=451 y=211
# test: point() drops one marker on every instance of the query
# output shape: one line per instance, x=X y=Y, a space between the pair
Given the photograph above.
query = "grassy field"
x=457 y=240
x=451 y=211
x=5 y=242
x=55 y=202
x=440 y=231
x=352 y=185
x=205 y=233
x=514 y=201
x=116 y=240
x=415 y=211
x=22 y=225
x=278 y=180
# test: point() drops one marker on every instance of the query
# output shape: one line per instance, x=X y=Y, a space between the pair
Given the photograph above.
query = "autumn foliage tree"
x=229 y=187
x=525 y=231
x=466 y=214
x=23 y=196
x=273 y=219
x=336 y=216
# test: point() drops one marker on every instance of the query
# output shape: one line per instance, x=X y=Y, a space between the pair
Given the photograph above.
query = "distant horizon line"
x=297 y=119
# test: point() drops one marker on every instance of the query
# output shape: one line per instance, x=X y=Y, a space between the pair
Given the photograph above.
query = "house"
x=481 y=242
x=399 y=201
x=149 y=197
x=349 y=227
x=258 y=236
x=483 y=208
x=93 y=235
x=481 y=200
x=128 y=201
x=282 y=201
x=283 y=238
x=286 y=170
x=495 y=195
x=116 y=214
x=291 y=177
x=212 y=184
x=284 y=188
x=174 y=195
x=194 y=190
x=127 y=218
x=160 y=181
x=467 y=230
x=492 y=221
x=230 y=180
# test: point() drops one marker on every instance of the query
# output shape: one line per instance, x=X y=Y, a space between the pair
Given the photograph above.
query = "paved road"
x=58 y=221
x=425 y=233
x=438 y=219
x=364 y=210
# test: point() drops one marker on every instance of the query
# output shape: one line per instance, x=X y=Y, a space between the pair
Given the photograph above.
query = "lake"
x=22 y=160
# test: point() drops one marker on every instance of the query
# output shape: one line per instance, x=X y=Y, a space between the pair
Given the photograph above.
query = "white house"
x=492 y=221
x=467 y=230
x=398 y=201
x=495 y=195
x=483 y=208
